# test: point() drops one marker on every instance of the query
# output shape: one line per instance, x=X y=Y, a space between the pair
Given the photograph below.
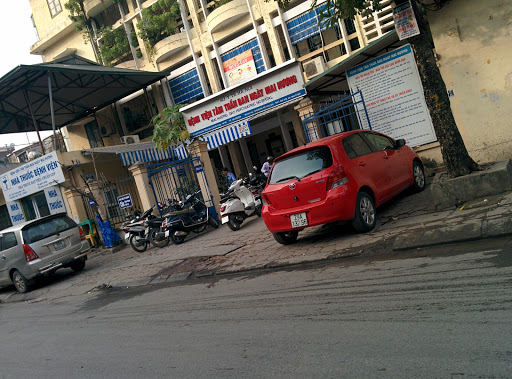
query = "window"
x=55 y=7
x=355 y=146
x=9 y=240
x=349 y=25
x=301 y=165
x=379 y=142
x=93 y=134
x=46 y=228
x=354 y=44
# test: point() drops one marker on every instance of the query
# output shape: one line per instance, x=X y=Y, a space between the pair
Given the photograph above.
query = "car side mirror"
x=399 y=143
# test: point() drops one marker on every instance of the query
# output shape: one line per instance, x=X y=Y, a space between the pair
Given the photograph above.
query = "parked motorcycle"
x=192 y=215
x=241 y=202
x=136 y=230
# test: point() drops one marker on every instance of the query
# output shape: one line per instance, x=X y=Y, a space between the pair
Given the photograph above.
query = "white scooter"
x=239 y=203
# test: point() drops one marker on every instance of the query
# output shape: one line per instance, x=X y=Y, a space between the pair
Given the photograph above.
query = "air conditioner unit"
x=314 y=67
x=130 y=139
x=106 y=130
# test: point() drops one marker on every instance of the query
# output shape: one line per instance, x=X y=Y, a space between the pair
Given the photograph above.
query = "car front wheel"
x=419 y=177
x=21 y=283
x=286 y=238
x=365 y=217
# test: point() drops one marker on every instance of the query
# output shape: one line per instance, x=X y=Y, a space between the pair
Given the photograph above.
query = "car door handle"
x=4 y=257
x=362 y=164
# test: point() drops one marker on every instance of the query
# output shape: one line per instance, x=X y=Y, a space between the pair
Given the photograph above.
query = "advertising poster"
x=54 y=200
x=393 y=96
x=32 y=177
x=239 y=68
x=15 y=212
x=405 y=21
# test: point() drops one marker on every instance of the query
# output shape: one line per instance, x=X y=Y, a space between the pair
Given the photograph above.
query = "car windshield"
x=301 y=165
x=47 y=227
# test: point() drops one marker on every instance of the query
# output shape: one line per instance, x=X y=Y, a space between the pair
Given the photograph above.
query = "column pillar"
x=76 y=205
x=247 y=155
x=285 y=132
x=224 y=157
x=307 y=108
x=146 y=195
x=236 y=158
x=198 y=149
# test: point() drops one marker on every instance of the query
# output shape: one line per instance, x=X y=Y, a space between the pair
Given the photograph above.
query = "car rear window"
x=301 y=165
x=46 y=227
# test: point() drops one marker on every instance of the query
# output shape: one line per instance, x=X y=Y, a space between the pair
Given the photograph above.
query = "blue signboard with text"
x=124 y=201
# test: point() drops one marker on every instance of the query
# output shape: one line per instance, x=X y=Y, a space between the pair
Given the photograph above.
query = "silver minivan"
x=39 y=247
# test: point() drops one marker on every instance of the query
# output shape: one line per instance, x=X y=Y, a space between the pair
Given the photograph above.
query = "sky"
x=17 y=34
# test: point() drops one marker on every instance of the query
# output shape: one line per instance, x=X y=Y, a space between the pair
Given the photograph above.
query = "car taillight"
x=336 y=178
x=222 y=208
x=265 y=199
x=82 y=234
x=125 y=230
x=30 y=255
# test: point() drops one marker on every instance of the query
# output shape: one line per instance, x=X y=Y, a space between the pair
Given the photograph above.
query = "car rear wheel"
x=77 y=265
x=419 y=177
x=286 y=238
x=365 y=217
x=21 y=283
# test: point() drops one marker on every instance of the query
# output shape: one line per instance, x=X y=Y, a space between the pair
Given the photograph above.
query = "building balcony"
x=94 y=7
x=58 y=31
x=227 y=14
x=170 y=45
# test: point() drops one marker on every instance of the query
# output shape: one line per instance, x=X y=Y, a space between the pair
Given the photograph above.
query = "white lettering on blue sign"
x=124 y=201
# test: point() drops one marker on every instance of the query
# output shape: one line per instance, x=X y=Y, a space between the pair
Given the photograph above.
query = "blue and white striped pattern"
x=256 y=54
x=186 y=87
x=173 y=153
x=306 y=25
x=227 y=134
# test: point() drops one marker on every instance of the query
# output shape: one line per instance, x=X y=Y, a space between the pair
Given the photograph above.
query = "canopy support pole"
x=51 y=111
x=29 y=104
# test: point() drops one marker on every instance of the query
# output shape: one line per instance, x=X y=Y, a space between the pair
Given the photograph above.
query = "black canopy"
x=77 y=88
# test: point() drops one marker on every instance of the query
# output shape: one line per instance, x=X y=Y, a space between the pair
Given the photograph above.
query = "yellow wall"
x=473 y=39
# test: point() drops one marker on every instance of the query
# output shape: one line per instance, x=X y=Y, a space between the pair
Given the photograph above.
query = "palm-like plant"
x=169 y=127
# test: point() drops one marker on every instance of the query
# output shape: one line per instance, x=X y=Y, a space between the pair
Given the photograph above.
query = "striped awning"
x=172 y=153
x=227 y=134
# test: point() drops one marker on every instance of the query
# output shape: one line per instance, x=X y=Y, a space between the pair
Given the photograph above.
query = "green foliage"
x=139 y=54
x=114 y=44
x=159 y=21
x=133 y=39
x=169 y=127
x=77 y=15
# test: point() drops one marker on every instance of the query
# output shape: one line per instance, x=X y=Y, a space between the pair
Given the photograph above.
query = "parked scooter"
x=192 y=215
x=240 y=202
x=136 y=230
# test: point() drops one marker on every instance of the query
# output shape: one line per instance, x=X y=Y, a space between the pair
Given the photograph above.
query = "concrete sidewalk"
x=409 y=221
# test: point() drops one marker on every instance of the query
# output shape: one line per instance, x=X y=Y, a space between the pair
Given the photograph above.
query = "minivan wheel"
x=365 y=217
x=77 y=265
x=286 y=238
x=21 y=283
x=419 y=177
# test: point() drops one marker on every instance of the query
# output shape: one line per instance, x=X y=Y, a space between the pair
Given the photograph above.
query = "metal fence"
x=348 y=113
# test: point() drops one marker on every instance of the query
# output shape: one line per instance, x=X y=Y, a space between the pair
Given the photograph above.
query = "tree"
x=169 y=127
x=455 y=155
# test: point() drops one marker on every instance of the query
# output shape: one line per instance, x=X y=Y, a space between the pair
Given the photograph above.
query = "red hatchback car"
x=342 y=177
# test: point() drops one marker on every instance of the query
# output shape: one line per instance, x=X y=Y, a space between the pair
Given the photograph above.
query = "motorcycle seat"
x=180 y=212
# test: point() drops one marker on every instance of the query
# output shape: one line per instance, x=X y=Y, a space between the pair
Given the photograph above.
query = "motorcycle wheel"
x=176 y=239
x=233 y=223
x=258 y=211
x=139 y=249
x=153 y=240
x=213 y=222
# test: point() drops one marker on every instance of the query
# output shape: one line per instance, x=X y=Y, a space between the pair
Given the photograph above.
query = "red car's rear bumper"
x=338 y=205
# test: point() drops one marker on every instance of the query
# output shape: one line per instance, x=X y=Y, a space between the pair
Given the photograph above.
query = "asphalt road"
x=442 y=313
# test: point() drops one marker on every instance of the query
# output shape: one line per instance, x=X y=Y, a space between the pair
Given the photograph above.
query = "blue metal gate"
x=346 y=114
x=177 y=179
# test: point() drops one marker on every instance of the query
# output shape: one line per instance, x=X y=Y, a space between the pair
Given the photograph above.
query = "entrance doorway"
x=35 y=206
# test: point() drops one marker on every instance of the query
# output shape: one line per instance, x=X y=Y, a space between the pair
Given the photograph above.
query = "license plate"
x=225 y=219
x=299 y=220
x=166 y=233
x=257 y=202
x=59 y=245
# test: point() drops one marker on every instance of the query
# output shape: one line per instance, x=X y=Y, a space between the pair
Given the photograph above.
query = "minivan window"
x=47 y=227
x=9 y=241
x=301 y=165
x=355 y=146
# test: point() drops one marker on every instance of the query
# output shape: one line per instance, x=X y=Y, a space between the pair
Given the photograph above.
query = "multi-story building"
x=199 y=43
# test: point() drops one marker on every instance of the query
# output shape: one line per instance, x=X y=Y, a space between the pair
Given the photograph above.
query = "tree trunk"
x=455 y=155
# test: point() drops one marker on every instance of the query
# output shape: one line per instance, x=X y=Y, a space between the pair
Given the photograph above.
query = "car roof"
x=321 y=142
x=23 y=224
